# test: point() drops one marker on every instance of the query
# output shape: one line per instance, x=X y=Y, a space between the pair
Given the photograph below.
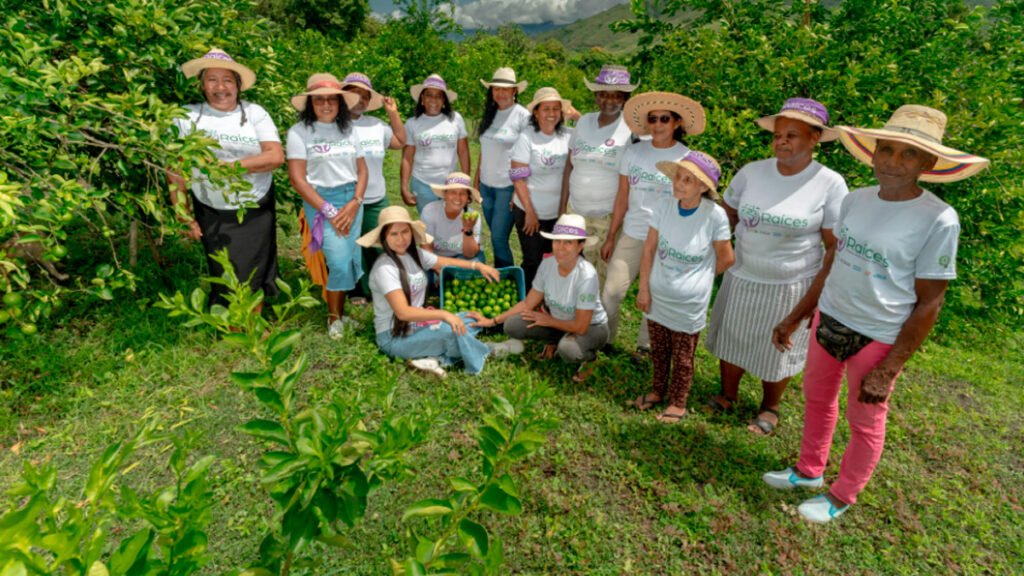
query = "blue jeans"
x=423 y=193
x=438 y=341
x=498 y=216
x=342 y=255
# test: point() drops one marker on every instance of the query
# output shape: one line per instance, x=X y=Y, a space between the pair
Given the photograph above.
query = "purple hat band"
x=612 y=77
x=807 y=106
x=435 y=82
x=218 y=56
x=706 y=165
x=458 y=180
x=569 y=230
x=359 y=78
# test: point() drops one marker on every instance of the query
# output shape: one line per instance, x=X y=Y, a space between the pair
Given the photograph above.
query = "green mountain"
x=594 y=31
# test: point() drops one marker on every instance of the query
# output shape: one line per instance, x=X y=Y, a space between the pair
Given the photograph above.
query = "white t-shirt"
x=778 y=237
x=563 y=295
x=447 y=232
x=647 y=185
x=236 y=142
x=374 y=137
x=684 y=265
x=496 y=145
x=546 y=157
x=596 y=156
x=436 y=139
x=882 y=248
x=330 y=155
x=384 y=279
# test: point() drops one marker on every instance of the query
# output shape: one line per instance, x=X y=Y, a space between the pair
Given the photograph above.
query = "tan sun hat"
x=433 y=81
x=360 y=80
x=217 y=58
x=549 y=94
x=611 y=78
x=395 y=215
x=701 y=165
x=923 y=128
x=457 y=181
x=570 y=227
x=808 y=111
x=636 y=109
x=322 y=85
x=505 y=78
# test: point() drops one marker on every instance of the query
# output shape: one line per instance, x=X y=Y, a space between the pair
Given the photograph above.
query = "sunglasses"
x=664 y=118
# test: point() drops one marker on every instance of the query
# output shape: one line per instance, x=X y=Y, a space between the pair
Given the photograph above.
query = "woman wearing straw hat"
x=666 y=117
x=598 y=143
x=686 y=247
x=431 y=339
x=454 y=227
x=783 y=210
x=538 y=160
x=895 y=256
x=248 y=139
x=503 y=121
x=327 y=167
x=562 y=307
x=436 y=142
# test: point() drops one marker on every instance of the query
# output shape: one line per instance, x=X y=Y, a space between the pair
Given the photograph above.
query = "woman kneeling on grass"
x=687 y=245
x=571 y=321
x=429 y=338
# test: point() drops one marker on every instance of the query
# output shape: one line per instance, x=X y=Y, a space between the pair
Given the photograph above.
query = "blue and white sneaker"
x=788 y=480
x=820 y=510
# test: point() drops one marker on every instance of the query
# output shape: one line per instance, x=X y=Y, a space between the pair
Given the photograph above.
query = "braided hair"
x=238 y=95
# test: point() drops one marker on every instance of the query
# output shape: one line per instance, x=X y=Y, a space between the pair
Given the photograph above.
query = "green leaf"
x=247 y=380
x=474 y=538
x=266 y=430
x=131 y=552
x=497 y=499
x=283 y=341
x=414 y=568
x=282 y=470
x=198 y=300
x=427 y=507
x=199 y=469
x=503 y=406
x=462 y=485
x=269 y=398
x=98 y=569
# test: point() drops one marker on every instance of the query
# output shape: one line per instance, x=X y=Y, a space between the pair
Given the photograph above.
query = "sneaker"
x=787 y=480
x=820 y=510
x=336 y=330
x=428 y=365
x=508 y=347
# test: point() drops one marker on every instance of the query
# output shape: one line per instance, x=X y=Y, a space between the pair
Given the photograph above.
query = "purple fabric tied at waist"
x=569 y=230
x=356 y=77
x=706 y=165
x=612 y=77
x=807 y=106
x=458 y=180
x=434 y=82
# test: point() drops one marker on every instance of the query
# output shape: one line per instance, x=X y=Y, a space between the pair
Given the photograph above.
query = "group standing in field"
x=817 y=279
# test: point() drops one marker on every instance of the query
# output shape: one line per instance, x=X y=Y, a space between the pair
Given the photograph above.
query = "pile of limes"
x=487 y=298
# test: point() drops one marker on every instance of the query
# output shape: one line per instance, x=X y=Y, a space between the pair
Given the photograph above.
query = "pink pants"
x=822 y=382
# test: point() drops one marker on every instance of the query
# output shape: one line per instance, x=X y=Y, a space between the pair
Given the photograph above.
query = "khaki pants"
x=598 y=228
x=623 y=268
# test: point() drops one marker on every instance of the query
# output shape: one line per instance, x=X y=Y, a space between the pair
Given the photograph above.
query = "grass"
x=613 y=491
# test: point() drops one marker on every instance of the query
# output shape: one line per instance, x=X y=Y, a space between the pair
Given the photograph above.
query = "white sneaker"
x=336 y=330
x=428 y=365
x=820 y=510
x=787 y=480
x=506 y=348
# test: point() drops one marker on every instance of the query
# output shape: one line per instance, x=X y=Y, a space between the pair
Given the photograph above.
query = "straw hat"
x=636 y=109
x=548 y=94
x=570 y=227
x=611 y=79
x=360 y=80
x=395 y=215
x=433 y=81
x=923 y=128
x=457 y=181
x=323 y=85
x=701 y=165
x=505 y=78
x=805 y=110
x=217 y=58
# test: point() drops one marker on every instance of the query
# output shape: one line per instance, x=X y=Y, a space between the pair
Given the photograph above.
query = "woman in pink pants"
x=875 y=303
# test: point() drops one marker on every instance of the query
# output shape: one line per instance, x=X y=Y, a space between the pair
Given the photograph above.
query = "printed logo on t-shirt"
x=752 y=217
x=638 y=174
x=848 y=244
x=443 y=140
x=373 y=147
x=944 y=261
x=567 y=309
x=548 y=159
x=674 y=259
x=607 y=149
x=231 y=138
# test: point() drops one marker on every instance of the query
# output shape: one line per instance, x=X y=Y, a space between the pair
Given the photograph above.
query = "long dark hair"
x=400 y=328
x=559 y=128
x=344 y=119
x=446 y=109
x=679 y=132
x=238 y=95
x=491 y=110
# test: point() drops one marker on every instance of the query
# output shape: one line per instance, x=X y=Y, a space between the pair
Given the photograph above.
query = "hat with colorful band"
x=611 y=78
x=636 y=109
x=805 y=110
x=701 y=165
x=457 y=181
x=436 y=82
x=360 y=80
x=504 y=78
x=570 y=227
x=323 y=85
x=217 y=58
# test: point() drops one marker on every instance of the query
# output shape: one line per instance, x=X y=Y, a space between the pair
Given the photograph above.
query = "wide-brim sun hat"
x=806 y=110
x=323 y=84
x=433 y=81
x=360 y=80
x=457 y=181
x=611 y=78
x=636 y=109
x=395 y=215
x=701 y=165
x=217 y=58
x=505 y=78
x=548 y=94
x=570 y=227
x=923 y=128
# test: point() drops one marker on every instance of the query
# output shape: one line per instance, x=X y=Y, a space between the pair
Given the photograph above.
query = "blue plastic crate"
x=449 y=273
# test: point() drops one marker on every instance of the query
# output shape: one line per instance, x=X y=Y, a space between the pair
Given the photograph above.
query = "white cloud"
x=493 y=13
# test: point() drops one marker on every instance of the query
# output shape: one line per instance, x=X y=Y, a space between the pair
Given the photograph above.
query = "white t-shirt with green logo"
x=436 y=139
x=330 y=155
x=684 y=264
x=647 y=185
x=882 y=248
x=778 y=237
x=374 y=137
x=563 y=295
x=546 y=157
x=447 y=232
x=596 y=154
x=385 y=279
x=237 y=141
x=496 y=145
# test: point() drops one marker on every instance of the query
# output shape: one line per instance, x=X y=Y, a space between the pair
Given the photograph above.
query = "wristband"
x=328 y=210
x=467 y=233
x=520 y=173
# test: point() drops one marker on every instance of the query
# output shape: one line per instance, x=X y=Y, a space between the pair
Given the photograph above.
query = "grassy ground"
x=613 y=491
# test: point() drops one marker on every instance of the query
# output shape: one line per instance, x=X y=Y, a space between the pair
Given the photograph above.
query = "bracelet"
x=474 y=265
x=328 y=210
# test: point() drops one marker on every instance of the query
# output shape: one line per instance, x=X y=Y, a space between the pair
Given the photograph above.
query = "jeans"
x=438 y=341
x=423 y=193
x=342 y=254
x=371 y=212
x=498 y=216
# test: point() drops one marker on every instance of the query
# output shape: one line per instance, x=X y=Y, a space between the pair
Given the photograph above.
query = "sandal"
x=764 y=427
x=646 y=401
x=720 y=404
x=585 y=371
x=667 y=417
x=548 y=352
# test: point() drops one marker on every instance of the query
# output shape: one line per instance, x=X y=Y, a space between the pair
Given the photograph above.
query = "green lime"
x=29 y=329
x=13 y=299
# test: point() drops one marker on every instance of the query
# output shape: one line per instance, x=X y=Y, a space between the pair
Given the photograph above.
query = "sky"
x=492 y=13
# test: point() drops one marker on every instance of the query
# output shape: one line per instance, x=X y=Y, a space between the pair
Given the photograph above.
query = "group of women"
x=621 y=196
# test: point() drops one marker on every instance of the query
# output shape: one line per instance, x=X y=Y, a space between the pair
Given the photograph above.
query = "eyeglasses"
x=664 y=118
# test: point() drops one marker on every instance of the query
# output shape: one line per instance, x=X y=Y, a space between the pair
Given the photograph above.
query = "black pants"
x=534 y=246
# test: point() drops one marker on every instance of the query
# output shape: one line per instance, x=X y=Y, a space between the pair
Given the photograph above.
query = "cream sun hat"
x=806 y=110
x=549 y=94
x=636 y=109
x=505 y=78
x=611 y=78
x=360 y=80
x=457 y=181
x=570 y=227
x=701 y=165
x=323 y=85
x=433 y=81
x=923 y=128
x=217 y=58
x=395 y=215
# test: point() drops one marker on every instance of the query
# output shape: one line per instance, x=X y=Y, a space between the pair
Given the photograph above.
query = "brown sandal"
x=646 y=401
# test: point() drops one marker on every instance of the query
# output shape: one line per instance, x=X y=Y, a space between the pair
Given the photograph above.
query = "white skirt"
x=742 y=320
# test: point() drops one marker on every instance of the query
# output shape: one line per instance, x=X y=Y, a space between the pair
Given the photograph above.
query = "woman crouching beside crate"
x=430 y=339
x=570 y=318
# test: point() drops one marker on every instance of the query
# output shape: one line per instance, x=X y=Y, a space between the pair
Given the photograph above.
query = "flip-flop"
x=720 y=404
x=766 y=428
x=667 y=418
x=645 y=402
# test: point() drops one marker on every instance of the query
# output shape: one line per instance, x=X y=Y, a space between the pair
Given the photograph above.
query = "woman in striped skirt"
x=783 y=210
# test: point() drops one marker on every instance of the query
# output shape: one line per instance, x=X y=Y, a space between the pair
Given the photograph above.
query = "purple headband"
x=458 y=180
x=706 y=164
x=569 y=230
x=218 y=56
x=359 y=78
x=435 y=82
x=807 y=106
x=612 y=77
